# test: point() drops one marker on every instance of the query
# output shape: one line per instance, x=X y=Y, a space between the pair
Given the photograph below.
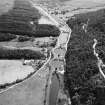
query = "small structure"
x=59 y=53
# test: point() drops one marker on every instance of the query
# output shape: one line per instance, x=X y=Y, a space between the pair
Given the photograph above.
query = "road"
x=58 y=52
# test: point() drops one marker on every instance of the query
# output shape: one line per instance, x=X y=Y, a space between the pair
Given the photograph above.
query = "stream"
x=54 y=90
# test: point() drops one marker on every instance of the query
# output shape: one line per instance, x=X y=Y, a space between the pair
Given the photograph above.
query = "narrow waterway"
x=54 y=90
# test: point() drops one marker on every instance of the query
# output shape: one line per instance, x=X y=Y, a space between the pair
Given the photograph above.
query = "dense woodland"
x=18 y=21
x=82 y=78
x=23 y=38
x=20 y=54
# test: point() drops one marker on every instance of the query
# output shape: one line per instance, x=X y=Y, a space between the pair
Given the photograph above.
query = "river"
x=54 y=90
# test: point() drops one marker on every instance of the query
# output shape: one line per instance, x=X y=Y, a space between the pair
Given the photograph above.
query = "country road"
x=53 y=65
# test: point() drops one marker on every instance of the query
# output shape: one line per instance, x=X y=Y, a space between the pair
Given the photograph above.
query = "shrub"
x=22 y=38
x=6 y=36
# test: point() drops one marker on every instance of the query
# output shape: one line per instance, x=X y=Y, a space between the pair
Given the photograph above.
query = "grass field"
x=10 y=70
x=31 y=91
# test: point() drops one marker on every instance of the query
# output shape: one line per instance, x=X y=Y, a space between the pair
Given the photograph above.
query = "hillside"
x=23 y=19
x=82 y=77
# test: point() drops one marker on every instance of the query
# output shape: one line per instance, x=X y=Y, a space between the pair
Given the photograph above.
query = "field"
x=31 y=91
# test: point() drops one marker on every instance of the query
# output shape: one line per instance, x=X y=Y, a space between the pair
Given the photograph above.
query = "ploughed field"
x=85 y=83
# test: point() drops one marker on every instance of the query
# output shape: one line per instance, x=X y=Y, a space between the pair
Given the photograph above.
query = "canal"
x=54 y=90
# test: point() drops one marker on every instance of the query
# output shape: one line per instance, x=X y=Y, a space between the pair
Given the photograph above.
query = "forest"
x=18 y=21
x=14 y=54
x=83 y=80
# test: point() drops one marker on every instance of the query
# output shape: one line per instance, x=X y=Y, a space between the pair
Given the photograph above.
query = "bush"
x=6 y=36
x=22 y=38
